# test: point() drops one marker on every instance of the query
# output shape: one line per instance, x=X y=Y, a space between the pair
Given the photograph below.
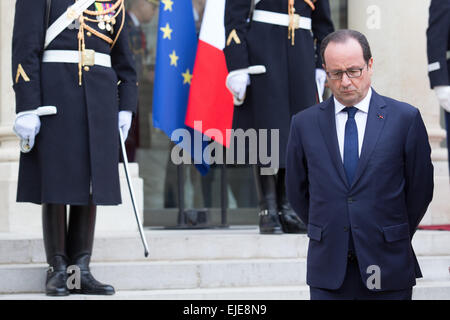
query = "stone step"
x=168 y=274
x=178 y=245
x=422 y=291
x=155 y=275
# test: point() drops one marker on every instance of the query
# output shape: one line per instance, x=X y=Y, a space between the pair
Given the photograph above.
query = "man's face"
x=347 y=56
x=147 y=11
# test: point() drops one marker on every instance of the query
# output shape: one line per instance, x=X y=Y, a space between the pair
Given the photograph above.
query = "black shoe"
x=54 y=235
x=269 y=222
x=56 y=283
x=290 y=222
x=79 y=248
x=88 y=284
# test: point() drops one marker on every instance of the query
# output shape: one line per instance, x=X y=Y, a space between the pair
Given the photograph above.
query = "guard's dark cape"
x=80 y=144
x=288 y=86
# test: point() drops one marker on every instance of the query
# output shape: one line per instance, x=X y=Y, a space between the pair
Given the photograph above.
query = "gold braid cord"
x=100 y=17
x=291 y=12
x=291 y=28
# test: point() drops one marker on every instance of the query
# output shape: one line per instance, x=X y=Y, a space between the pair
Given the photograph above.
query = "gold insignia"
x=21 y=73
x=233 y=36
x=88 y=57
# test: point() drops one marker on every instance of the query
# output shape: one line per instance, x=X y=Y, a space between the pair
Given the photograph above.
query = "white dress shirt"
x=134 y=19
x=360 y=119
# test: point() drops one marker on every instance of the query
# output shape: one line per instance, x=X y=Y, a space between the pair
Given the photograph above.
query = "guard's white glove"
x=125 y=118
x=443 y=95
x=321 y=77
x=26 y=127
x=238 y=84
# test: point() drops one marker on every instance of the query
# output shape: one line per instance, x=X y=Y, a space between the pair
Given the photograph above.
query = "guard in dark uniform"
x=438 y=49
x=277 y=35
x=73 y=55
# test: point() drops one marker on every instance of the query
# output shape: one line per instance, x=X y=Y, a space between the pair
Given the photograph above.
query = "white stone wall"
x=8 y=144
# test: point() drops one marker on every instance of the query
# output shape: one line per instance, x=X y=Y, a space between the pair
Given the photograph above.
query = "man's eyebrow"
x=349 y=68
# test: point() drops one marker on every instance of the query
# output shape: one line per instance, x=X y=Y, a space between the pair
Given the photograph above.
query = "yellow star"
x=173 y=58
x=167 y=4
x=187 y=77
x=167 y=31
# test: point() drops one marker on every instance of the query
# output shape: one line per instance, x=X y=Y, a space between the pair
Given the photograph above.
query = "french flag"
x=209 y=99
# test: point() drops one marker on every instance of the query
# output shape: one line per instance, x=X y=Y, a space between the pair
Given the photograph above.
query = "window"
x=151 y=148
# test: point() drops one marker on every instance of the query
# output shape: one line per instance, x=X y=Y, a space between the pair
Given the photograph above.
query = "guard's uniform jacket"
x=288 y=86
x=76 y=150
x=438 y=43
x=438 y=50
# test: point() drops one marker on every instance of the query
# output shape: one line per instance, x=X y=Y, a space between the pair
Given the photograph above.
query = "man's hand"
x=238 y=85
x=26 y=127
x=443 y=95
x=125 y=118
x=321 y=77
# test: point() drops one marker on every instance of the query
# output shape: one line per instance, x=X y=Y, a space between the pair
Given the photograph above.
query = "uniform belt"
x=281 y=19
x=90 y=57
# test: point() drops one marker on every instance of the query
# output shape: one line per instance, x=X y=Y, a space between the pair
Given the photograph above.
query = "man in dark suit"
x=359 y=174
x=438 y=49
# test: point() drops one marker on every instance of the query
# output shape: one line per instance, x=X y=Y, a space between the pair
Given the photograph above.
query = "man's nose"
x=345 y=81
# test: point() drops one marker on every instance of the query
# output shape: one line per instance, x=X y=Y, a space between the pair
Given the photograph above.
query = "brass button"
x=86 y=68
x=89 y=34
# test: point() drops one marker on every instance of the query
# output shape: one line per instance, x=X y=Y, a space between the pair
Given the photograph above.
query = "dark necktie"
x=351 y=156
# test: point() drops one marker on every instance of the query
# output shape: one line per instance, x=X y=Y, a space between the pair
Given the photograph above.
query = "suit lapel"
x=327 y=123
x=375 y=123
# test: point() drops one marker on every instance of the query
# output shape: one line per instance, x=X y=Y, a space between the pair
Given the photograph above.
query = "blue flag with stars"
x=175 y=57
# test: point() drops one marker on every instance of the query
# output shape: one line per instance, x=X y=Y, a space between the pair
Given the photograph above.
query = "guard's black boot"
x=79 y=248
x=54 y=224
x=290 y=222
x=269 y=222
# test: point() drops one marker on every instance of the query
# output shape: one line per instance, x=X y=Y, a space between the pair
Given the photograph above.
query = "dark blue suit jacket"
x=382 y=208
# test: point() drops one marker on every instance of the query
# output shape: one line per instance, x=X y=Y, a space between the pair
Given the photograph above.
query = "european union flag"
x=175 y=57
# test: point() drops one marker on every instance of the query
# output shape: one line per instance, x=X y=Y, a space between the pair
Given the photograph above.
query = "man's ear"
x=370 y=65
x=323 y=66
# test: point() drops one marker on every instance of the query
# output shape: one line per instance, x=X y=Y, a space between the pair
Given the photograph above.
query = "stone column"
x=26 y=218
x=396 y=31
